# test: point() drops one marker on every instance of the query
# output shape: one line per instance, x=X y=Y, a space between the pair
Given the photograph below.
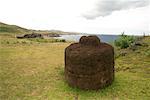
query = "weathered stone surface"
x=89 y=64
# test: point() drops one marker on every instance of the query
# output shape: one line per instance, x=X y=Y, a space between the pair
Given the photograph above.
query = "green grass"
x=35 y=71
x=5 y=28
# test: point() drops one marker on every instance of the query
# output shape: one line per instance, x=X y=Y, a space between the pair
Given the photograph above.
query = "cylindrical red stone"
x=89 y=64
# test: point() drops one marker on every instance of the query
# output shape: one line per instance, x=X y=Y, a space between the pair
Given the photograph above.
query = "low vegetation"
x=124 y=41
x=31 y=70
x=52 y=40
x=7 y=39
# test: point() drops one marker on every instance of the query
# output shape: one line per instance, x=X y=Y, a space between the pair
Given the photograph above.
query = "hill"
x=12 y=28
x=6 y=28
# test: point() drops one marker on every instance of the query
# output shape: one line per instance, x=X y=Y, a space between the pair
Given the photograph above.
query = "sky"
x=86 y=16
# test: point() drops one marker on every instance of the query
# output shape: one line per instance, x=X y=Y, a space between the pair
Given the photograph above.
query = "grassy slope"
x=12 y=29
x=36 y=71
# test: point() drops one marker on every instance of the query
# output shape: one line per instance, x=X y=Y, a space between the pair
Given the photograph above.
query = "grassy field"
x=31 y=70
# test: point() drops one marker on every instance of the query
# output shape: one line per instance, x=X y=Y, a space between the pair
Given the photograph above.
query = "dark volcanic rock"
x=89 y=64
x=20 y=37
x=33 y=35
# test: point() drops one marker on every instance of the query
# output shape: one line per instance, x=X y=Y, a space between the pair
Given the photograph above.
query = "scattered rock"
x=138 y=43
x=123 y=53
x=134 y=46
x=89 y=64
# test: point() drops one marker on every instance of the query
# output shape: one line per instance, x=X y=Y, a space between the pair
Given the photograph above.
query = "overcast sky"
x=90 y=16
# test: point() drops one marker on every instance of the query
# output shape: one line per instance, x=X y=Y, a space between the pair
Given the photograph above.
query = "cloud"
x=107 y=7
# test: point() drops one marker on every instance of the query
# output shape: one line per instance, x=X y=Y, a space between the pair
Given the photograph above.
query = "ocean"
x=75 y=38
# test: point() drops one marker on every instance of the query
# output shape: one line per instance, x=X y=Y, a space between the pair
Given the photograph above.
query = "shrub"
x=62 y=40
x=124 y=41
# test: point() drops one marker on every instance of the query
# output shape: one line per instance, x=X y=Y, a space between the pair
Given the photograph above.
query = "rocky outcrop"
x=33 y=35
x=89 y=64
